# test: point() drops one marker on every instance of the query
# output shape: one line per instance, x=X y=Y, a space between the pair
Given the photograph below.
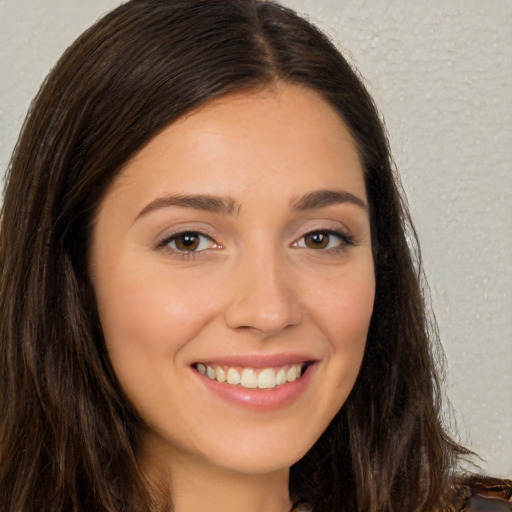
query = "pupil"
x=189 y=239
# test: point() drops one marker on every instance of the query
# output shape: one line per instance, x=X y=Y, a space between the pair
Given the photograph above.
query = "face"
x=233 y=270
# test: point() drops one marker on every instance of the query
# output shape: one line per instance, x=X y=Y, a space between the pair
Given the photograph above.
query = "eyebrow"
x=323 y=198
x=225 y=205
x=209 y=203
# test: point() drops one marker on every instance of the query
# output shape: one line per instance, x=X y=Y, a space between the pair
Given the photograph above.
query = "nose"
x=263 y=298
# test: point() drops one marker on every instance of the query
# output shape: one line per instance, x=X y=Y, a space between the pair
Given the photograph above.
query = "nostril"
x=264 y=317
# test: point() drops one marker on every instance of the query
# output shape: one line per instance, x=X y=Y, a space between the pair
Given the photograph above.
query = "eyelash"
x=345 y=240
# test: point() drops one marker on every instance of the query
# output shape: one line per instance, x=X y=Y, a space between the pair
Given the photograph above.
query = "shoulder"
x=481 y=494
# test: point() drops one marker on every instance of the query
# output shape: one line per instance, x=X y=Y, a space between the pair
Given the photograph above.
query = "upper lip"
x=257 y=360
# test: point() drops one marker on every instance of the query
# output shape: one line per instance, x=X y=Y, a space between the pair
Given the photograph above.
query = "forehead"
x=285 y=137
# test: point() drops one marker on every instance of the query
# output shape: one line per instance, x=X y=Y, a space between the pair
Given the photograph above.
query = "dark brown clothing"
x=473 y=494
x=482 y=494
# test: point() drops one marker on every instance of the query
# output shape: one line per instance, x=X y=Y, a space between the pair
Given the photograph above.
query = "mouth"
x=253 y=378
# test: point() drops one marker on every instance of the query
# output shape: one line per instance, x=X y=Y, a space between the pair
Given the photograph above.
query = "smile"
x=250 y=378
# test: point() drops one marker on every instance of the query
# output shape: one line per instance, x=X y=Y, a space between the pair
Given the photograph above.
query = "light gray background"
x=441 y=73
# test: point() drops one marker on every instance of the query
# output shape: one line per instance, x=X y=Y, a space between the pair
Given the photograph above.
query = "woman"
x=208 y=298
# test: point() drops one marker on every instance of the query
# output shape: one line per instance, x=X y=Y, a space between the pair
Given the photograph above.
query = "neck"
x=219 y=491
x=196 y=484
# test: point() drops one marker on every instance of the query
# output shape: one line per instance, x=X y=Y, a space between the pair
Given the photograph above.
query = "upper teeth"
x=265 y=378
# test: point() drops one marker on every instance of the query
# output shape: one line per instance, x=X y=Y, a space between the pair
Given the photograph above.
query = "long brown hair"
x=67 y=433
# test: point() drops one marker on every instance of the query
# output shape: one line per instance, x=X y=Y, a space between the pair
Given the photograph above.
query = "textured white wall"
x=441 y=72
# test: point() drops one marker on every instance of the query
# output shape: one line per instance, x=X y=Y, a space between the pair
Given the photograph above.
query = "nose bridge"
x=263 y=296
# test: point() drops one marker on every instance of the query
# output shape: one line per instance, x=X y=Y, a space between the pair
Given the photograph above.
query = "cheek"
x=343 y=312
x=147 y=319
x=343 y=307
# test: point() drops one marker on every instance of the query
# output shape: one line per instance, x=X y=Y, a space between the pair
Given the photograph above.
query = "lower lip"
x=260 y=399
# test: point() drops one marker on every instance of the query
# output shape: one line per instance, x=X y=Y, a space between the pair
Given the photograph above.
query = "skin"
x=255 y=285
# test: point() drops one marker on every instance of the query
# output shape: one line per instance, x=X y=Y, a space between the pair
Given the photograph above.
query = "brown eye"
x=190 y=241
x=316 y=240
x=187 y=242
x=326 y=240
